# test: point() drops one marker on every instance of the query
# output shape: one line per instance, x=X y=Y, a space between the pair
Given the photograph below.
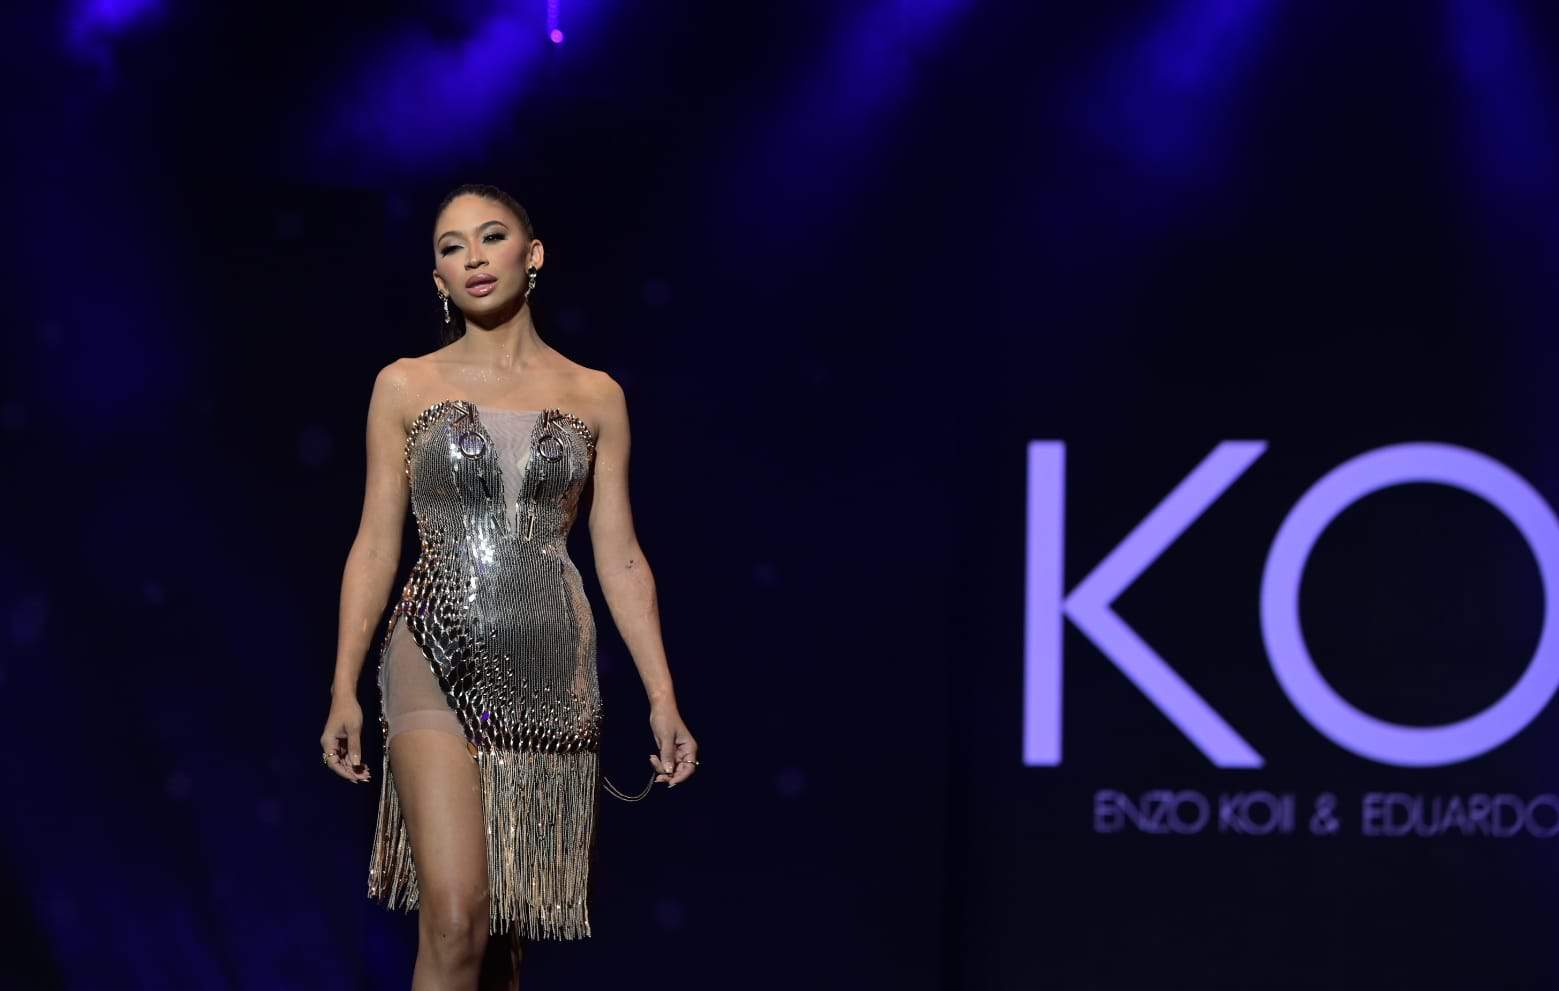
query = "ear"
x=538 y=254
x=438 y=284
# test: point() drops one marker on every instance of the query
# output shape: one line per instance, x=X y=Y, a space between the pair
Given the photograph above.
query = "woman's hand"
x=678 y=750
x=341 y=745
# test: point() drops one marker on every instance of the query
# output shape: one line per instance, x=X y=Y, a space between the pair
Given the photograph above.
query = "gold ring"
x=326 y=757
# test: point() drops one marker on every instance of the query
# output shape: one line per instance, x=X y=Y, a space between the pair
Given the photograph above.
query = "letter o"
x=1179 y=825
x=1331 y=714
x=1547 y=831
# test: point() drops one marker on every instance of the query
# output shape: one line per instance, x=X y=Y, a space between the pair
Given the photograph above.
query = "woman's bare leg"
x=440 y=796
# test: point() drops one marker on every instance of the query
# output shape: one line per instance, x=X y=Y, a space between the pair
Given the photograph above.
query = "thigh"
x=441 y=797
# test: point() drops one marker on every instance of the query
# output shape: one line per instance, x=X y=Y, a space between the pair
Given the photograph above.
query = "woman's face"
x=480 y=255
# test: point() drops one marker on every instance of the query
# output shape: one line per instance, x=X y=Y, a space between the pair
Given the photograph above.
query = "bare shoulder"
x=392 y=384
x=400 y=386
x=600 y=399
x=590 y=391
x=603 y=396
x=604 y=391
x=395 y=375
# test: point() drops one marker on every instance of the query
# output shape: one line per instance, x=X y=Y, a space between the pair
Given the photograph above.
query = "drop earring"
x=531 y=287
x=445 y=297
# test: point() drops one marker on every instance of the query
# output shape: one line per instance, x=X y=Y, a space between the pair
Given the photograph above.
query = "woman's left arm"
x=629 y=588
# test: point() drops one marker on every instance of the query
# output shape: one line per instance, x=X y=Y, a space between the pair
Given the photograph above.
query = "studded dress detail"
x=492 y=639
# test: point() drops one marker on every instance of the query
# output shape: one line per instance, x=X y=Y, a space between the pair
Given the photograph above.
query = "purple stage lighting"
x=1510 y=134
x=1163 y=99
x=111 y=16
x=95 y=23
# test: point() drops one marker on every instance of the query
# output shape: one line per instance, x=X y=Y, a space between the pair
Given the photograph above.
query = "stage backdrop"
x=1121 y=544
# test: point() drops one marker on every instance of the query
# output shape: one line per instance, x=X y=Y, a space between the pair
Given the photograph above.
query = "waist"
x=520 y=531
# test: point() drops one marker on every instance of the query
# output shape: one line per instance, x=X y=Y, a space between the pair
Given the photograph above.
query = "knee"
x=454 y=926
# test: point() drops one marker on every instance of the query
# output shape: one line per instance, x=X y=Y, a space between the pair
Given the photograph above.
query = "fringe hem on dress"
x=540 y=812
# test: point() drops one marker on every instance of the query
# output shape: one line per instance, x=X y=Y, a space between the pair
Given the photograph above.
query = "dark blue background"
x=845 y=258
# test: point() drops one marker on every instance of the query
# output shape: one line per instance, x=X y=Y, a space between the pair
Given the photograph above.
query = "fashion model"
x=489 y=702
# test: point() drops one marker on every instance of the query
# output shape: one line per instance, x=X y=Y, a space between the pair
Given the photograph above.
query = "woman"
x=489 y=702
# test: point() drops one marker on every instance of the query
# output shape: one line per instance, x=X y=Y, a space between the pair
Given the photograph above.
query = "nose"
x=474 y=257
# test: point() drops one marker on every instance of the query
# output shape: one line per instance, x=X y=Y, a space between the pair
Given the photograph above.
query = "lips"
x=481 y=285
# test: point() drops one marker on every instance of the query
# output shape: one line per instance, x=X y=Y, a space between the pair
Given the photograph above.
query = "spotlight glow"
x=554 y=30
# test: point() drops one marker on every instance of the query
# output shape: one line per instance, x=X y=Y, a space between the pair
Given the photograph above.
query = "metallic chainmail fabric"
x=492 y=637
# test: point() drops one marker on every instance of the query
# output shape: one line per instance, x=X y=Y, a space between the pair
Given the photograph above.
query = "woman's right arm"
x=370 y=568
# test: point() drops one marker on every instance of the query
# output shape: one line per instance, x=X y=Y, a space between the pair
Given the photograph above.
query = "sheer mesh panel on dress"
x=412 y=697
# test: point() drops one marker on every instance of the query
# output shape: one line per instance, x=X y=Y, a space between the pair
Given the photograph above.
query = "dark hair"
x=456 y=327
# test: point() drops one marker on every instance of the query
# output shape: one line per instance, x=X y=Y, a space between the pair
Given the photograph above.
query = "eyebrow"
x=457 y=233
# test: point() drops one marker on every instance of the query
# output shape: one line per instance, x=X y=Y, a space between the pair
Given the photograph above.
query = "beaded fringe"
x=539 y=809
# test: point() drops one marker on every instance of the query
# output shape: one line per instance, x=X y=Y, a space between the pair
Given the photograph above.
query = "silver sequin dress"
x=492 y=638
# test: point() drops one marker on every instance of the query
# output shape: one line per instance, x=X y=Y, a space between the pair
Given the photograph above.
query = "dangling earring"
x=532 y=286
x=445 y=297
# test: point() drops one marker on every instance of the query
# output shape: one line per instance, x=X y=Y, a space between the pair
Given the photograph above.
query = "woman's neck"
x=513 y=343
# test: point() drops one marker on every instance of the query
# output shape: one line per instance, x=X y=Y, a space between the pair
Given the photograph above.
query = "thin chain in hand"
x=616 y=792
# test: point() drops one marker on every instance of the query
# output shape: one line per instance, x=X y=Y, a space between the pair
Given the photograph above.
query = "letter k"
x=1088 y=604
